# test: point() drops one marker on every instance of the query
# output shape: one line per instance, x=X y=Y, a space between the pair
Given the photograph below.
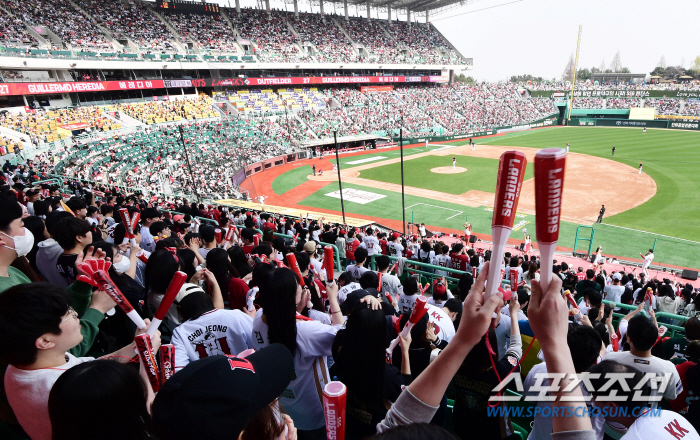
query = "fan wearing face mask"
x=15 y=241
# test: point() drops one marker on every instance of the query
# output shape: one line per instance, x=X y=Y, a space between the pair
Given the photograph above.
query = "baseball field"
x=659 y=207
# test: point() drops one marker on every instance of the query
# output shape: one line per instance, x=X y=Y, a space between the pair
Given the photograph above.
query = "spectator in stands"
x=73 y=235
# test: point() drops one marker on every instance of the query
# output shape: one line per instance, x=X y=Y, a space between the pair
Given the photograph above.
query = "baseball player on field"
x=648 y=258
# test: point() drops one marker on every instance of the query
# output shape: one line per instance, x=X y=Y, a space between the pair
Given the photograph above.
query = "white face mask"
x=123 y=265
x=23 y=243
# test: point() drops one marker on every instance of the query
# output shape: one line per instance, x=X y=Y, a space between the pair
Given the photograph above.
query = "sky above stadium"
x=537 y=37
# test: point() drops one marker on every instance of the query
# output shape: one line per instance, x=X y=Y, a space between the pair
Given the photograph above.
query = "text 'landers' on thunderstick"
x=550 y=164
x=511 y=169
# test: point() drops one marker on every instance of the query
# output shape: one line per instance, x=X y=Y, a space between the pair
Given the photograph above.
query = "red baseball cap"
x=395 y=235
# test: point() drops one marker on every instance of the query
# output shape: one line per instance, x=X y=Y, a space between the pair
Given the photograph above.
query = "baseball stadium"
x=337 y=219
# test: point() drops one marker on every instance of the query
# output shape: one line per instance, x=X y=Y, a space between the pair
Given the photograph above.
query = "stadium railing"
x=673 y=328
x=430 y=276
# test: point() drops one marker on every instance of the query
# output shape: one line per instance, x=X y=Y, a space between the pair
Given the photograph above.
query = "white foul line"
x=440 y=207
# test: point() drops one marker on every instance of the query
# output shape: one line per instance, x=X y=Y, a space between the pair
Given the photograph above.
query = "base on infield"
x=448 y=170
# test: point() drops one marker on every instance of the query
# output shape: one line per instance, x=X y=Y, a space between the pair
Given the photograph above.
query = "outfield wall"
x=609 y=122
x=614 y=94
x=544 y=122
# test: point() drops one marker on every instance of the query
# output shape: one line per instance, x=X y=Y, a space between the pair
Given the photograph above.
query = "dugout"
x=346 y=144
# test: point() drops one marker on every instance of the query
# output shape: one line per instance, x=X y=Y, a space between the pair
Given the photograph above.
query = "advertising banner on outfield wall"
x=615 y=94
x=630 y=123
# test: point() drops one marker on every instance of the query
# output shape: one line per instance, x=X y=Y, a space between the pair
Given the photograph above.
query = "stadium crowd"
x=326 y=37
x=211 y=32
x=12 y=32
x=134 y=20
x=275 y=41
x=256 y=334
x=588 y=85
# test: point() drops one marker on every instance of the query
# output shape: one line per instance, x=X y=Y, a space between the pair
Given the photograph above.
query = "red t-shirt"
x=237 y=290
x=351 y=246
x=680 y=404
x=382 y=243
x=248 y=249
x=580 y=276
x=459 y=261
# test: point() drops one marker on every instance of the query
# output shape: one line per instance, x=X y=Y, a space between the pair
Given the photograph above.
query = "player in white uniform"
x=216 y=332
x=261 y=199
x=394 y=247
x=454 y=162
x=648 y=258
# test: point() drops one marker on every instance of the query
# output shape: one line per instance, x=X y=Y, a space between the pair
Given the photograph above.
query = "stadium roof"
x=416 y=6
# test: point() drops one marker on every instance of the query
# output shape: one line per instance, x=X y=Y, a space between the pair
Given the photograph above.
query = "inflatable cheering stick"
x=550 y=164
x=129 y=223
x=334 y=401
x=511 y=170
x=166 y=358
x=173 y=288
x=144 y=348
x=101 y=279
x=419 y=309
x=328 y=263
x=292 y=260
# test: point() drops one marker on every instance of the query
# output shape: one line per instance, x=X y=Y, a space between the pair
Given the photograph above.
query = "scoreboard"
x=185 y=6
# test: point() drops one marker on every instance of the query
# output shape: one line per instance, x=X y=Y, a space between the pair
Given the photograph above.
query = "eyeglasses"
x=73 y=314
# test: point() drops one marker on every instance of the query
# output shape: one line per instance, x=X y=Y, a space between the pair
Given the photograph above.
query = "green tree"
x=584 y=74
x=568 y=74
x=461 y=78
x=525 y=78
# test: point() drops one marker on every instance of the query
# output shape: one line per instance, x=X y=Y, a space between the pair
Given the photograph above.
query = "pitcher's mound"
x=448 y=170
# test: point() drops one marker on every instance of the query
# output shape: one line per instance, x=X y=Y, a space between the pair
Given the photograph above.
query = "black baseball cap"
x=214 y=397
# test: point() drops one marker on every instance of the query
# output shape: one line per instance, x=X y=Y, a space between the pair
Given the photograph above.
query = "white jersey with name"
x=217 y=332
x=666 y=425
x=669 y=382
x=303 y=398
x=395 y=249
x=344 y=291
x=442 y=260
x=356 y=271
x=406 y=303
x=444 y=327
x=391 y=285
x=371 y=243
x=647 y=260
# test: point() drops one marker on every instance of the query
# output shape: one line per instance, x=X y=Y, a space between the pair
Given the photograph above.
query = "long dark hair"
x=362 y=359
x=94 y=395
x=160 y=269
x=278 y=293
x=219 y=264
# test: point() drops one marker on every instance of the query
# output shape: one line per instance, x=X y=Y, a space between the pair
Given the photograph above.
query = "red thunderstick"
x=129 y=223
x=379 y=275
x=334 y=401
x=511 y=169
x=229 y=234
x=94 y=272
x=217 y=234
x=144 y=348
x=419 y=309
x=550 y=164
x=328 y=262
x=173 y=288
x=166 y=358
x=292 y=260
x=514 y=275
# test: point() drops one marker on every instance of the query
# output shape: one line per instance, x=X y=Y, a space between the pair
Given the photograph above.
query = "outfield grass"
x=669 y=157
x=379 y=155
x=615 y=241
x=291 y=179
x=481 y=174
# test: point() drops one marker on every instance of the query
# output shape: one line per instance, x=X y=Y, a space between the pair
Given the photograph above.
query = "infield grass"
x=481 y=174
x=291 y=179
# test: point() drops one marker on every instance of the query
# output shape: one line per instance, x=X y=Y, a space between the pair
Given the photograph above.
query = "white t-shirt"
x=317 y=265
x=371 y=243
x=356 y=270
x=614 y=293
x=542 y=428
x=647 y=260
x=503 y=335
x=406 y=302
x=28 y=394
x=147 y=241
x=391 y=284
x=217 y=332
x=344 y=291
x=444 y=327
x=395 y=249
x=652 y=365
x=661 y=427
x=303 y=398
x=442 y=260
